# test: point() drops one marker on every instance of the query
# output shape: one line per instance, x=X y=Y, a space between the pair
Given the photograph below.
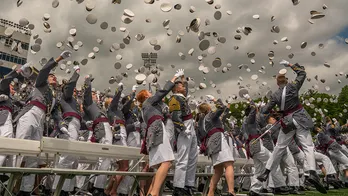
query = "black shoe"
x=295 y=191
x=181 y=192
x=22 y=193
x=302 y=188
x=191 y=189
x=346 y=184
x=98 y=192
x=4 y=178
x=64 y=193
x=331 y=180
x=230 y=194
x=169 y=185
x=315 y=181
x=281 y=191
x=200 y=187
x=263 y=190
x=252 y=193
x=264 y=176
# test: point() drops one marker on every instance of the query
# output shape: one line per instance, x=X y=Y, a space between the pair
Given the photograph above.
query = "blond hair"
x=204 y=108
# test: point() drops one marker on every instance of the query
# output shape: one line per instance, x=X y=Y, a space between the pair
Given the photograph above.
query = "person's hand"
x=246 y=96
x=89 y=123
x=64 y=130
x=65 y=54
x=179 y=73
x=285 y=63
x=3 y=97
x=201 y=115
x=210 y=97
x=25 y=66
x=187 y=131
x=134 y=88
x=77 y=68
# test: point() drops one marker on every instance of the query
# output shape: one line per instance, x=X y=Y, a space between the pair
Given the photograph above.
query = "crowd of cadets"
x=280 y=143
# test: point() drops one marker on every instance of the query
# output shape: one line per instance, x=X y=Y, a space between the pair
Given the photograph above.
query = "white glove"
x=210 y=97
x=188 y=132
x=64 y=130
x=76 y=68
x=179 y=73
x=246 y=96
x=3 y=97
x=120 y=84
x=65 y=54
x=284 y=63
x=25 y=66
x=134 y=88
x=89 y=123
x=81 y=138
x=262 y=104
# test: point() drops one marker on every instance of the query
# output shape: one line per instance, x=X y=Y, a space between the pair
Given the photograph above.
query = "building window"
x=13 y=58
x=9 y=41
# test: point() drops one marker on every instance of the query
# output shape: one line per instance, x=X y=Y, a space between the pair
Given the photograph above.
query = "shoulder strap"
x=282 y=104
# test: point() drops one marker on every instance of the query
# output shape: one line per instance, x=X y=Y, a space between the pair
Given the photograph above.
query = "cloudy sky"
x=292 y=21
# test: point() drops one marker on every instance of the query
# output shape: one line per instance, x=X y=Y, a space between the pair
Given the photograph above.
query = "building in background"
x=14 y=49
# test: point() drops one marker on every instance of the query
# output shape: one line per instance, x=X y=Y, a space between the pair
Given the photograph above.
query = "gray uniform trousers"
x=288 y=163
x=186 y=157
x=301 y=164
x=81 y=180
x=344 y=150
x=321 y=158
x=103 y=163
x=126 y=184
x=305 y=139
x=30 y=127
x=339 y=158
x=6 y=130
x=260 y=159
x=69 y=161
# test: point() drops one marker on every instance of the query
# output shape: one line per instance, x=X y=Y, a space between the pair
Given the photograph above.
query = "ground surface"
x=341 y=192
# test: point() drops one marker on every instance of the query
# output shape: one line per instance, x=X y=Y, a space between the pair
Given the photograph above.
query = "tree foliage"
x=318 y=105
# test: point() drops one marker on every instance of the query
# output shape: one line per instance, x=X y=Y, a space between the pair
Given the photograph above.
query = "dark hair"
x=176 y=83
x=124 y=100
x=274 y=115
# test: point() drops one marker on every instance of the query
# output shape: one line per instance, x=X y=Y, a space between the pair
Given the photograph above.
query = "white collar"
x=179 y=94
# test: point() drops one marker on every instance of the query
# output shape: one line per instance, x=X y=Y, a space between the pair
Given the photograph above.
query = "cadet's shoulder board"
x=174 y=104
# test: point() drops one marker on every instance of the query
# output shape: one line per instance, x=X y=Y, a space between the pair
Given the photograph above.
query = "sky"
x=330 y=31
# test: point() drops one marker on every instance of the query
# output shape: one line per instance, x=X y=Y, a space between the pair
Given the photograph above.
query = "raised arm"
x=116 y=100
x=251 y=118
x=185 y=83
x=42 y=77
x=6 y=81
x=269 y=106
x=127 y=106
x=87 y=95
x=68 y=89
x=160 y=94
x=220 y=108
x=301 y=75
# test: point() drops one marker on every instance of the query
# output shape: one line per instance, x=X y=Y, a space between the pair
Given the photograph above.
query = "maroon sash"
x=143 y=149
